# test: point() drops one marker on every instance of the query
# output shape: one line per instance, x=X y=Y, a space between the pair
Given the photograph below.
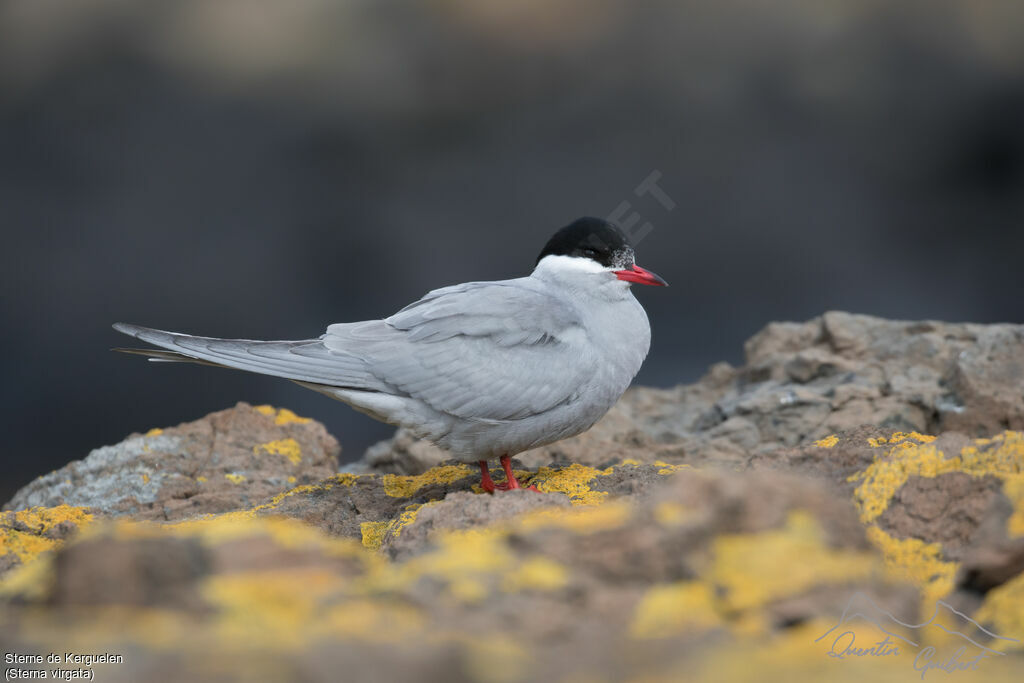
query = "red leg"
x=486 y=483
x=510 y=479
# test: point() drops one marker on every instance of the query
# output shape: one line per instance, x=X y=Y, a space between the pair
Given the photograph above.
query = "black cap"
x=591 y=238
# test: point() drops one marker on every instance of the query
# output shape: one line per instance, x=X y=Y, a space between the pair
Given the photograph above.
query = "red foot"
x=488 y=485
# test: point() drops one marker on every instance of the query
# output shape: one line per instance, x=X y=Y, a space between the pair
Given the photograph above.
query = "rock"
x=378 y=508
x=693 y=568
x=801 y=382
x=464 y=510
x=696 y=533
x=25 y=534
x=229 y=460
x=374 y=509
x=935 y=506
x=572 y=590
x=147 y=572
x=402 y=454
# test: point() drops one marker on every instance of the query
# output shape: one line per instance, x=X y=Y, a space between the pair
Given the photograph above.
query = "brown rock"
x=464 y=510
x=144 y=572
x=946 y=509
x=479 y=582
x=229 y=460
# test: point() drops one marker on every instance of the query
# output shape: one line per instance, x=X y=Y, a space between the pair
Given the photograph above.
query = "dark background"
x=262 y=168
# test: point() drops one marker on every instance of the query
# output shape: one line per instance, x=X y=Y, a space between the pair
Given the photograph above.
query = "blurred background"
x=259 y=169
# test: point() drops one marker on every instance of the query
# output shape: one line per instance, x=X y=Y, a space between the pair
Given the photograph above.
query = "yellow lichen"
x=267 y=607
x=916 y=561
x=492 y=660
x=582 y=520
x=671 y=513
x=289 y=448
x=373 y=620
x=573 y=481
x=342 y=479
x=282 y=416
x=1013 y=488
x=1003 y=611
x=673 y=609
x=668 y=468
x=216 y=529
x=828 y=442
x=201 y=479
x=399 y=486
x=31 y=580
x=155 y=431
x=798 y=654
x=375 y=533
x=234 y=478
x=284 y=609
x=464 y=560
x=471 y=564
x=887 y=474
x=754 y=569
x=792 y=654
x=24 y=546
x=42 y=519
x=898 y=437
x=29 y=540
x=536 y=573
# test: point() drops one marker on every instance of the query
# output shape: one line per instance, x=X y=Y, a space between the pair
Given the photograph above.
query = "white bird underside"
x=483 y=369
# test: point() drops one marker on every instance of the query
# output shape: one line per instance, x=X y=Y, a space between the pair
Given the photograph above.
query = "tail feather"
x=305 y=360
x=160 y=356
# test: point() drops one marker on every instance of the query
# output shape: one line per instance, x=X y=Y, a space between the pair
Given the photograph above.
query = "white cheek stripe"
x=566 y=264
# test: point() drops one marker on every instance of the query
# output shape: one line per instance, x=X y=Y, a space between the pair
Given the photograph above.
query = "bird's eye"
x=590 y=251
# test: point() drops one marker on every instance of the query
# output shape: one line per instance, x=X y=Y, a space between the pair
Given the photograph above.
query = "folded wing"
x=486 y=351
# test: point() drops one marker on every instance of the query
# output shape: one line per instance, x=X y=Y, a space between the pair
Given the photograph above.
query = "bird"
x=485 y=370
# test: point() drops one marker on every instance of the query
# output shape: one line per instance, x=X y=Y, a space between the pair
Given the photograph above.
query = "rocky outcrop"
x=228 y=460
x=743 y=528
x=525 y=583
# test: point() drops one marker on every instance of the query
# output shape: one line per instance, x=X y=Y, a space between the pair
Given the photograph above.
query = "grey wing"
x=488 y=351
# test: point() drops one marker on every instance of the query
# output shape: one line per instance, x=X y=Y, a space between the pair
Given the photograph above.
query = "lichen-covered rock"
x=548 y=592
x=801 y=382
x=722 y=531
x=376 y=508
x=693 y=568
x=931 y=504
x=417 y=528
x=25 y=534
x=228 y=460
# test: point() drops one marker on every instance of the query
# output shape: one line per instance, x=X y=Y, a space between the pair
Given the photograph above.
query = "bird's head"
x=593 y=245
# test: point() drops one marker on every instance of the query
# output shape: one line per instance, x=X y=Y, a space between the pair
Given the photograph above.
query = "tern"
x=483 y=369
